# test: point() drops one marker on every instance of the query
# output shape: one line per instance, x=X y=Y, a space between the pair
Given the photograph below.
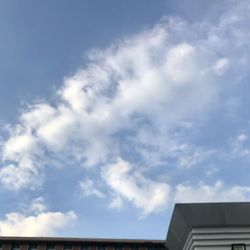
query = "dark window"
x=85 y=247
x=67 y=247
x=238 y=247
x=33 y=247
x=118 y=247
x=50 y=247
x=101 y=247
x=135 y=248
x=15 y=246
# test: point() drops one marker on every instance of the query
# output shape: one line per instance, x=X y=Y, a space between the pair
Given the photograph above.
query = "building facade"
x=42 y=243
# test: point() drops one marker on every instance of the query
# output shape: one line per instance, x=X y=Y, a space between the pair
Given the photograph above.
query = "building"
x=210 y=226
x=43 y=243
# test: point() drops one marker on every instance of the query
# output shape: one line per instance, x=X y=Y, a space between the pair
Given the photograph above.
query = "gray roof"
x=203 y=215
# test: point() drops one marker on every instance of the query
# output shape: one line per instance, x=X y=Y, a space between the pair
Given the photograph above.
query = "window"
x=134 y=247
x=15 y=246
x=33 y=247
x=102 y=247
x=67 y=247
x=1 y=245
x=118 y=247
x=50 y=247
x=238 y=247
x=152 y=247
x=85 y=247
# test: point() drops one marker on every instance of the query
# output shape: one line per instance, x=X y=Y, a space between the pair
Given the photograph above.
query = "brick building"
x=43 y=243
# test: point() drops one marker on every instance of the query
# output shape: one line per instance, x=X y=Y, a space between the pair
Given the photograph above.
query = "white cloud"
x=127 y=183
x=148 y=196
x=17 y=224
x=55 y=132
x=211 y=170
x=37 y=115
x=38 y=205
x=242 y=137
x=116 y=203
x=144 y=77
x=240 y=147
x=211 y=193
x=177 y=68
x=221 y=66
x=155 y=149
x=36 y=221
x=88 y=189
x=190 y=156
x=23 y=174
x=19 y=145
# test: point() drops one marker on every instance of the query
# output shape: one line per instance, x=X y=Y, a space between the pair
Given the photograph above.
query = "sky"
x=113 y=111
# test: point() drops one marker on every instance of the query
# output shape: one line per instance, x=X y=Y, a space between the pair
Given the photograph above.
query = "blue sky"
x=113 y=111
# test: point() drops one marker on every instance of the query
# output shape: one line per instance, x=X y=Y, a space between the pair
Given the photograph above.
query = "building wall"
x=60 y=245
x=217 y=238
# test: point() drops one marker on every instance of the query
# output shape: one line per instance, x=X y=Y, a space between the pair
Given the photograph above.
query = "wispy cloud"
x=240 y=147
x=218 y=192
x=128 y=183
x=88 y=189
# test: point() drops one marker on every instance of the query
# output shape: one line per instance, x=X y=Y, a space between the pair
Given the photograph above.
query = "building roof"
x=81 y=240
x=204 y=215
